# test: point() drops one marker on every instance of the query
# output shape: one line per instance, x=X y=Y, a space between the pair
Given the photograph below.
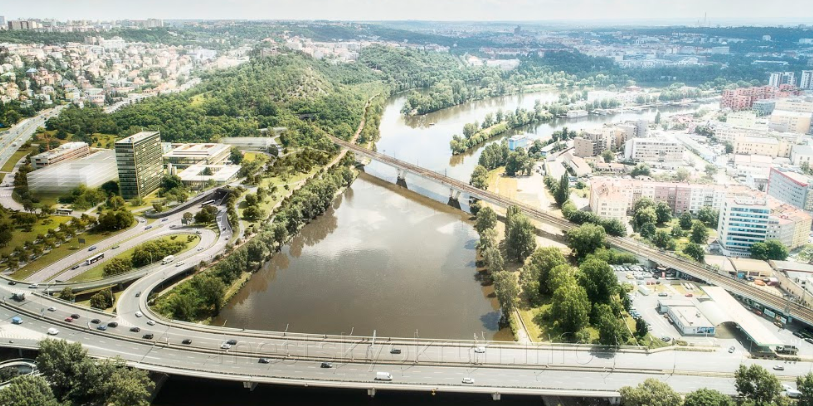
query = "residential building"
x=788 y=224
x=743 y=221
x=741 y=119
x=806 y=82
x=768 y=146
x=654 y=150
x=184 y=155
x=139 y=164
x=743 y=98
x=782 y=78
x=792 y=188
x=517 y=141
x=797 y=104
x=801 y=154
x=92 y=171
x=65 y=152
x=791 y=121
x=764 y=107
x=608 y=201
x=583 y=147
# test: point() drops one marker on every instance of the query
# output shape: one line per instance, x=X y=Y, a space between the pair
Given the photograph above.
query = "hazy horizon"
x=544 y=11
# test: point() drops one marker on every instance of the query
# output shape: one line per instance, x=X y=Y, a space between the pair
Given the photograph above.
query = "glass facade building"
x=139 y=164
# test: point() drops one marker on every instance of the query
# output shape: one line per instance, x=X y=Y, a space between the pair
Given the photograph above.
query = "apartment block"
x=791 y=121
x=796 y=104
x=583 y=147
x=792 y=188
x=139 y=164
x=65 y=152
x=655 y=150
x=744 y=98
x=768 y=146
x=743 y=222
x=801 y=154
x=782 y=78
x=806 y=81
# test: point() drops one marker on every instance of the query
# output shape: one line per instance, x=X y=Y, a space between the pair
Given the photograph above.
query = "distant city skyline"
x=620 y=11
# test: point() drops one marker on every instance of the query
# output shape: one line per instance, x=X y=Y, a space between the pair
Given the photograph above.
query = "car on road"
x=95 y=321
x=52 y=309
x=135 y=329
x=232 y=342
x=138 y=294
x=16 y=320
x=52 y=331
x=75 y=267
x=666 y=339
x=186 y=341
x=383 y=376
x=480 y=350
x=798 y=334
x=689 y=295
x=68 y=319
x=113 y=324
x=264 y=361
x=33 y=286
x=148 y=227
x=395 y=351
x=101 y=327
x=200 y=249
x=663 y=294
x=731 y=349
x=225 y=346
x=139 y=314
x=792 y=393
x=326 y=365
x=198 y=232
x=778 y=368
x=164 y=219
x=468 y=381
x=74 y=316
x=114 y=247
x=12 y=283
x=179 y=264
x=150 y=323
x=92 y=248
x=148 y=336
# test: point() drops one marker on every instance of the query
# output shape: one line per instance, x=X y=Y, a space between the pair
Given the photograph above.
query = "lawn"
x=116 y=295
x=60 y=252
x=97 y=272
x=41 y=227
x=541 y=329
x=15 y=157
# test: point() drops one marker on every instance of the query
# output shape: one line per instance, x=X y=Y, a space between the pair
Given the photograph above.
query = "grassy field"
x=41 y=227
x=59 y=253
x=97 y=272
x=116 y=295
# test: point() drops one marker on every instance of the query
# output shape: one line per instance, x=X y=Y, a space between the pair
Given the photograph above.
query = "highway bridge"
x=790 y=309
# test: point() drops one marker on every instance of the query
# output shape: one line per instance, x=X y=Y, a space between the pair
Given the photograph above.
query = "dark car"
x=12 y=283
x=186 y=341
x=798 y=334
x=101 y=327
x=326 y=365
x=395 y=351
x=74 y=316
x=135 y=329
x=138 y=294
x=265 y=361
x=74 y=267
x=232 y=342
x=112 y=324
x=95 y=321
x=148 y=336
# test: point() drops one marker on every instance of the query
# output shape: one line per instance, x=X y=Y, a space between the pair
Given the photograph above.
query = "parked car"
x=666 y=339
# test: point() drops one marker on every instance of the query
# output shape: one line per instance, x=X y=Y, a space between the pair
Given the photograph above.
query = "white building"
x=743 y=221
x=249 y=143
x=91 y=171
x=654 y=150
x=65 y=152
x=200 y=174
x=806 y=81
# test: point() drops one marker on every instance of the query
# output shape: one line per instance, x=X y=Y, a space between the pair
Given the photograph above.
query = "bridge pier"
x=615 y=400
x=250 y=386
x=495 y=396
x=401 y=181
x=454 y=194
x=371 y=392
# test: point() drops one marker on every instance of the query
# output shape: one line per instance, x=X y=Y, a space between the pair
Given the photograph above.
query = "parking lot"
x=728 y=335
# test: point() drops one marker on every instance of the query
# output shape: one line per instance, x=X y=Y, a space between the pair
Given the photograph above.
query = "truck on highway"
x=787 y=350
x=383 y=376
x=167 y=259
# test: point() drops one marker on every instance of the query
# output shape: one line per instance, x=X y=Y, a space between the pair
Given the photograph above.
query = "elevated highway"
x=779 y=304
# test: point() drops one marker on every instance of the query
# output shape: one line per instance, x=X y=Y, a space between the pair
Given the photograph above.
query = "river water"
x=389 y=260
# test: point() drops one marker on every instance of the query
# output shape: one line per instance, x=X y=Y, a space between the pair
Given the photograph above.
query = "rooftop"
x=62 y=148
x=690 y=316
x=736 y=313
x=136 y=137
x=751 y=265
x=207 y=149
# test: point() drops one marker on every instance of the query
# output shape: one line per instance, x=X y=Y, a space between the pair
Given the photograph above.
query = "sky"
x=719 y=11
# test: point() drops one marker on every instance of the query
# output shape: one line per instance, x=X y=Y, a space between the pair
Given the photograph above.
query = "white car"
x=468 y=381
x=150 y=323
x=179 y=264
x=139 y=314
x=480 y=350
x=52 y=309
x=225 y=346
x=52 y=331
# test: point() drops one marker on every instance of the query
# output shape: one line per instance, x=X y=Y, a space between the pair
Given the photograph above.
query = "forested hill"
x=307 y=96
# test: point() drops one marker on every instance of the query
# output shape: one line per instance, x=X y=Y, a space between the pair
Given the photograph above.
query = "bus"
x=64 y=212
x=94 y=259
x=207 y=203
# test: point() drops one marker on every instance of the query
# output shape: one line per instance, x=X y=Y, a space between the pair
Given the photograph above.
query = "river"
x=387 y=260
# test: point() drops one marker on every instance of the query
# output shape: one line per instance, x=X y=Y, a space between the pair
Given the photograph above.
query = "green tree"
x=707 y=397
x=73 y=375
x=695 y=251
x=206 y=214
x=647 y=230
x=235 y=156
x=651 y=392
x=641 y=328
x=769 y=250
x=644 y=216
x=188 y=217
x=117 y=266
x=677 y=231
x=570 y=307
x=562 y=192
x=640 y=170
x=614 y=227
x=540 y=264
x=479 y=177
x=755 y=383
x=682 y=174
x=126 y=386
x=663 y=213
x=611 y=330
x=493 y=259
x=657 y=118
x=67 y=294
x=507 y=292
x=661 y=239
x=608 y=156
x=685 y=220
x=559 y=275
x=710 y=170
x=28 y=390
x=486 y=218
x=585 y=239
x=598 y=280
x=804 y=384
x=708 y=216
x=521 y=241
x=699 y=234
